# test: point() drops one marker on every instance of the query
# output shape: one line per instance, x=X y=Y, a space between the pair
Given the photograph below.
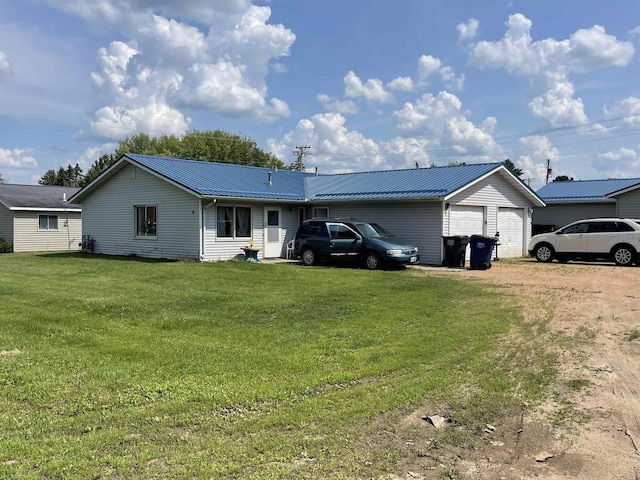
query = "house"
x=570 y=201
x=171 y=208
x=39 y=218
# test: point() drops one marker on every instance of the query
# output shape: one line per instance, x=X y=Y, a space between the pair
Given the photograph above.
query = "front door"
x=272 y=232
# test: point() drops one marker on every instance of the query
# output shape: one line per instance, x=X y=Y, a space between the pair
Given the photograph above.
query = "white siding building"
x=169 y=208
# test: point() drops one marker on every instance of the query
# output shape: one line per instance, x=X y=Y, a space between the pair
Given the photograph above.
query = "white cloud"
x=404 y=84
x=168 y=63
x=335 y=148
x=450 y=79
x=17 y=158
x=335 y=105
x=5 y=65
x=411 y=151
x=372 y=90
x=468 y=31
x=427 y=66
x=635 y=31
x=548 y=63
x=534 y=164
x=558 y=106
x=627 y=109
x=441 y=119
x=621 y=163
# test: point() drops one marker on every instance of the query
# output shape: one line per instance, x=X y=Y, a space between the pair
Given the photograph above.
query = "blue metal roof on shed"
x=583 y=190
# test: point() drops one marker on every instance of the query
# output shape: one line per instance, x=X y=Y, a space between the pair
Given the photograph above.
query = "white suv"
x=616 y=239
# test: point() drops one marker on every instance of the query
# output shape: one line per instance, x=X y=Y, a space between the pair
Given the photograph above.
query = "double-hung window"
x=233 y=222
x=48 y=222
x=146 y=220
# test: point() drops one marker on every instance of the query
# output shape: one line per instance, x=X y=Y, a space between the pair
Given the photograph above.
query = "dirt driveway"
x=595 y=310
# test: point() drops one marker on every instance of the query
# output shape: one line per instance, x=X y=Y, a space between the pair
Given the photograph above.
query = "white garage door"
x=465 y=220
x=511 y=228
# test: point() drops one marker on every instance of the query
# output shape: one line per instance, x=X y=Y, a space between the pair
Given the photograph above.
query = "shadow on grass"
x=125 y=258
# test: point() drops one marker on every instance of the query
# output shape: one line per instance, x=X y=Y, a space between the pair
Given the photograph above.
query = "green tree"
x=67 y=177
x=563 y=178
x=204 y=145
x=1 y=178
x=512 y=168
x=99 y=166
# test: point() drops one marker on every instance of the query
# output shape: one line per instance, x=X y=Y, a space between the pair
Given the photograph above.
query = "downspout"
x=201 y=229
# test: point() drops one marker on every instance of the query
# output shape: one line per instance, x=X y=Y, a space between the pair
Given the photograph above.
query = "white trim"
x=36 y=209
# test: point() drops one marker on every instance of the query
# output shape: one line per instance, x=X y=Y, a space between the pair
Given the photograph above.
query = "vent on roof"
x=270 y=175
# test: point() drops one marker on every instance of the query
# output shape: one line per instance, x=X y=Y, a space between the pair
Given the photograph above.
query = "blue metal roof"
x=396 y=184
x=239 y=181
x=226 y=179
x=583 y=190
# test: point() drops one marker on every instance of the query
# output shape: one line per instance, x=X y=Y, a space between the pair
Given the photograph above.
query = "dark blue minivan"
x=368 y=243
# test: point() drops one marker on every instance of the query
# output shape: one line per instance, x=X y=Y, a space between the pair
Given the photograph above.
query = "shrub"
x=5 y=246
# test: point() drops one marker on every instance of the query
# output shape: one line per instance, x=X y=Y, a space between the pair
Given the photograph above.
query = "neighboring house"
x=39 y=218
x=570 y=201
x=169 y=208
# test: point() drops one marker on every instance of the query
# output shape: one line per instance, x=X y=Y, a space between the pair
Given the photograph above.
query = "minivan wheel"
x=544 y=253
x=308 y=257
x=623 y=256
x=372 y=261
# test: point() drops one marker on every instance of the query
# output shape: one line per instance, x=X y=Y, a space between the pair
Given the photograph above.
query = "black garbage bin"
x=481 y=249
x=455 y=248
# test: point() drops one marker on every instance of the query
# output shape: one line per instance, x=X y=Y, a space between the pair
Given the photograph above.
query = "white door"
x=464 y=220
x=511 y=228
x=272 y=232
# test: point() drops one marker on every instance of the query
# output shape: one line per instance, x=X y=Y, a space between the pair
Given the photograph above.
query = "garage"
x=511 y=228
x=466 y=220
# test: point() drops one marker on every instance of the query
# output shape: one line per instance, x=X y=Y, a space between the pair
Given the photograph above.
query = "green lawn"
x=117 y=367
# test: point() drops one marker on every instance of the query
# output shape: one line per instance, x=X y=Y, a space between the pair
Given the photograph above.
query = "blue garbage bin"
x=481 y=249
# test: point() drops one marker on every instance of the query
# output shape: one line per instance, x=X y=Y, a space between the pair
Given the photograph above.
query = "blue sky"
x=368 y=84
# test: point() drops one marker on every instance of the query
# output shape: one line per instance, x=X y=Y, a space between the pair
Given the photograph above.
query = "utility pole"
x=300 y=152
x=549 y=171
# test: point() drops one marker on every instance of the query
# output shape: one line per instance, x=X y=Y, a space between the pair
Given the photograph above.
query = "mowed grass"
x=124 y=368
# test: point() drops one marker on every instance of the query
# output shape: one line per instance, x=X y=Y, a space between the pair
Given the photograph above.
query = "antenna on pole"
x=300 y=152
x=549 y=171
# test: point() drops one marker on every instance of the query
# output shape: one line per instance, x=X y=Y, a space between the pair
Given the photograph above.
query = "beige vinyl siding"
x=629 y=204
x=418 y=222
x=108 y=216
x=562 y=214
x=28 y=238
x=6 y=224
x=492 y=193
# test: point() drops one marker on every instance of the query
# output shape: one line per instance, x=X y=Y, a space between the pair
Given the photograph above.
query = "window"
x=321 y=212
x=234 y=222
x=603 y=227
x=48 y=222
x=146 y=220
x=577 y=228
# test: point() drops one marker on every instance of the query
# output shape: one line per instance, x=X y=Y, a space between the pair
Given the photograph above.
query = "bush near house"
x=5 y=246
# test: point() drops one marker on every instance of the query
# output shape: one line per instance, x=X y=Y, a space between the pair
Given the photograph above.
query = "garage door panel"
x=511 y=228
x=464 y=220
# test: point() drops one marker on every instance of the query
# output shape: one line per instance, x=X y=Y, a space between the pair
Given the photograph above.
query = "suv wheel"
x=623 y=255
x=308 y=257
x=544 y=253
x=372 y=261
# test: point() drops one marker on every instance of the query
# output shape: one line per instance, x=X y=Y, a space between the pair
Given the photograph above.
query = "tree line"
x=206 y=146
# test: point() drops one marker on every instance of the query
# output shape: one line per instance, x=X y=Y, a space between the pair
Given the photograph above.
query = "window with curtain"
x=233 y=222
x=47 y=222
x=146 y=220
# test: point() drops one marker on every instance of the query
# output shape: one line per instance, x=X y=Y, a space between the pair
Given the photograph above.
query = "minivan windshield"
x=372 y=230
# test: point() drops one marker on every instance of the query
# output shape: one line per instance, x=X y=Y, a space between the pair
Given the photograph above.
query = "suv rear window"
x=603 y=227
